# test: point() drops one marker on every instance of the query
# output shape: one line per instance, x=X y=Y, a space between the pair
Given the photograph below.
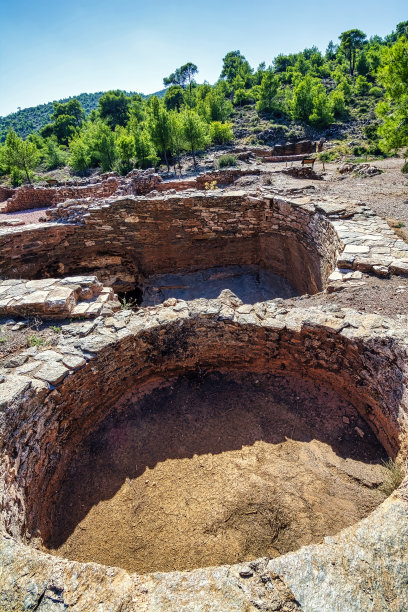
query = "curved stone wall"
x=42 y=424
x=40 y=432
x=127 y=240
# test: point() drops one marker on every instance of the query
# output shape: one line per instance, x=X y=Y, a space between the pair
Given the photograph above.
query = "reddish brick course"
x=5 y=193
x=27 y=197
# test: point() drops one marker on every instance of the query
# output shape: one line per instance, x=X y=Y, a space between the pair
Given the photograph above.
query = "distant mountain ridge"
x=32 y=119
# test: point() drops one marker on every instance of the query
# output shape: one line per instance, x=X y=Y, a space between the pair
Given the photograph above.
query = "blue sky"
x=54 y=49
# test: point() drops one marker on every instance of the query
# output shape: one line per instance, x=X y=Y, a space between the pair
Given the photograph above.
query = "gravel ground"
x=386 y=193
x=32 y=215
x=383 y=296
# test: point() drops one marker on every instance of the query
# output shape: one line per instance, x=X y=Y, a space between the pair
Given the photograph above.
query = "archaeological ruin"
x=209 y=411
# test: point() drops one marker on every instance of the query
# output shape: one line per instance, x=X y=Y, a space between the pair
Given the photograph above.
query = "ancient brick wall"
x=368 y=372
x=27 y=197
x=5 y=193
x=131 y=238
x=301 y=147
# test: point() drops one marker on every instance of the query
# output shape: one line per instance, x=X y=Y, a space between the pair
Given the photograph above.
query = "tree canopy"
x=182 y=76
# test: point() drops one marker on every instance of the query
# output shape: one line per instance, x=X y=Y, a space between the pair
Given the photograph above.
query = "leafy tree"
x=401 y=30
x=234 y=65
x=114 y=107
x=174 y=97
x=363 y=65
x=322 y=114
x=73 y=108
x=221 y=133
x=144 y=149
x=125 y=147
x=183 y=76
x=102 y=145
x=95 y=146
x=350 y=42
x=214 y=106
x=20 y=155
x=282 y=62
x=331 y=51
x=137 y=109
x=63 y=128
x=268 y=94
x=195 y=132
x=160 y=130
x=393 y=75
x=259 y=74
x=53 y=156
x=67 y=119
x=362 y=86
x=80 y=158
x=177 y=137
x=337 y=103
x=302 y=100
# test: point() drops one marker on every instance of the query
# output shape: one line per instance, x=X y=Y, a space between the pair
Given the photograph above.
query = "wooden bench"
x=51 y=182
x=308 y=161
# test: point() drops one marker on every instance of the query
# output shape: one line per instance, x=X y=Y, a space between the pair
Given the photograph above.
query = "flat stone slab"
x=56 y=298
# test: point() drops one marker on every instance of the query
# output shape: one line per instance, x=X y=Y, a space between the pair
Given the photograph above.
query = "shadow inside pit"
x=204 y=416
x=250 y=283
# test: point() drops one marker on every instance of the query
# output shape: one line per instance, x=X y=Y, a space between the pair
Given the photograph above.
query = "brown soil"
x=384 y=296
x=217 y=469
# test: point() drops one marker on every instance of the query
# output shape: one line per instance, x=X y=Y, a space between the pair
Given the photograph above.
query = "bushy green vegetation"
x=226 y=161
x=121 y=131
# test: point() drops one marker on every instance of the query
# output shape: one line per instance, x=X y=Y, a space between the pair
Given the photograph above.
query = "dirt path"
x=217 y=470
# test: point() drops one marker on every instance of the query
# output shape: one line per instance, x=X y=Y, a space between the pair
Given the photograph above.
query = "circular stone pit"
x=217 y=468
x=355 y=356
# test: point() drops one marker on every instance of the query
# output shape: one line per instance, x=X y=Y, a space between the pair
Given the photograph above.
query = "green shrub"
x=362 y=86
x=221 y=133
x=226 y=161
x=405 y=168
x=376 y=92
x=363 y=109
x=375 y=149
x=370 y=131
x=16 y=178
x=35 y=340
x=359 y=150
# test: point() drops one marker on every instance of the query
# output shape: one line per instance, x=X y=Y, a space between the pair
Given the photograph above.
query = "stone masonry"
x=362 y=356
x=73 y=297
x=51 y=398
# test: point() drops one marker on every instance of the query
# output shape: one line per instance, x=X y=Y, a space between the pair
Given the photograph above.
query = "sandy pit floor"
x=216 y=469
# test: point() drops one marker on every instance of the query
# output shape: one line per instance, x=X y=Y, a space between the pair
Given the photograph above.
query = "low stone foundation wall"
x=28 y=197
x=288 y=149
x=5 y=193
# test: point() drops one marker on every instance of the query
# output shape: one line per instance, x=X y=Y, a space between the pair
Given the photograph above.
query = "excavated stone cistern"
x=105 y=369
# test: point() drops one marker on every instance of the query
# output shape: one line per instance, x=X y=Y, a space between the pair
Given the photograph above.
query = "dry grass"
x=399 y=228
x=395 y=476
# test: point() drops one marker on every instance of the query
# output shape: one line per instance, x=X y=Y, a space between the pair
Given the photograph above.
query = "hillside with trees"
x=32 y=119
x=358 y=85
